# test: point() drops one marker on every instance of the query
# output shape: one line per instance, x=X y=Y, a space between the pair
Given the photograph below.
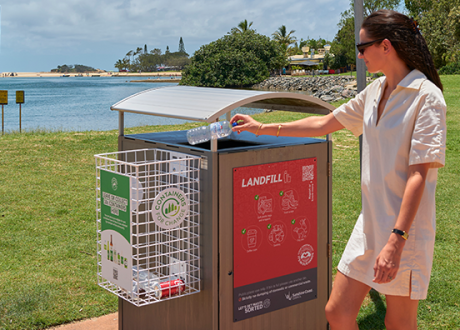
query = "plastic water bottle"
x=145 y=282
x=205 y=133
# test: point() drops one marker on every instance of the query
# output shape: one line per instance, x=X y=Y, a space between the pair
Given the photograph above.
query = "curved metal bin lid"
x=207 y=104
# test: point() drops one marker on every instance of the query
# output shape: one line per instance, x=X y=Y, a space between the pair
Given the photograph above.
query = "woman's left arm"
x=387 y=262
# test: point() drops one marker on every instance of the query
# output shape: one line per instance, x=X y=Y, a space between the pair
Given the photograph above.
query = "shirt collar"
x=413 y=80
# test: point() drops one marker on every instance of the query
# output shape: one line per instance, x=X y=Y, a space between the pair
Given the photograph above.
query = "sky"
x=39 y=35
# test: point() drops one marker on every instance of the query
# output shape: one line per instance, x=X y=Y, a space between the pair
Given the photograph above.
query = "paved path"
x=106 y=322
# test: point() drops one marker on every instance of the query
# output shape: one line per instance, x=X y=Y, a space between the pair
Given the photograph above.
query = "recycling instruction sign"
x=116 y=228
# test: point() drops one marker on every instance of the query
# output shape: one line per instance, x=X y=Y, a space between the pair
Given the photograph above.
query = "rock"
x=327 y=98
x=327 y=88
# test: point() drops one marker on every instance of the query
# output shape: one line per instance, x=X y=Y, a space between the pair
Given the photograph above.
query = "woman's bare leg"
x=401 y=313
x=343 y=306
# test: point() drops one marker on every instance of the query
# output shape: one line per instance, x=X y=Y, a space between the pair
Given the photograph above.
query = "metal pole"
x=360 y=66
x=3 y=121
x=20 y=130
x=121 y=123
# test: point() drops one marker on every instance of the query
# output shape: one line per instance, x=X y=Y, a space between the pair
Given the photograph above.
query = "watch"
x=401 y=232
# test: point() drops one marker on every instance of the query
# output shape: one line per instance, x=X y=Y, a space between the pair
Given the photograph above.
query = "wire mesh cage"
x=148 y=224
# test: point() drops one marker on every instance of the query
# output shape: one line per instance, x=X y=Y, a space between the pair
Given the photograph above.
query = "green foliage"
x=439 y=22
x=235 y=60
x=313 y=43
x=149 y=62
x=181 y=46
x=77 y=68
x=284 y=38
x=242 y=27
x=343 y=46
x=451 y=68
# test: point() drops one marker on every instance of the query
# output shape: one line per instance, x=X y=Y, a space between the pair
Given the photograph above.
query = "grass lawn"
x=48 y=229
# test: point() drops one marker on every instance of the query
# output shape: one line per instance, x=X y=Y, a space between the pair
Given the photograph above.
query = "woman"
x=402 y=119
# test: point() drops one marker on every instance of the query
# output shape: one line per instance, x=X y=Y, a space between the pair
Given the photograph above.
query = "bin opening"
x=224 y=144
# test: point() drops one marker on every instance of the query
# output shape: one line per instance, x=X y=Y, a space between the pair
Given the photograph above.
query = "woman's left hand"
x=387 y=263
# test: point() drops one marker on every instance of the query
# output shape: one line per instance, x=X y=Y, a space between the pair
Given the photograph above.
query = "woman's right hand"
x=245 y=123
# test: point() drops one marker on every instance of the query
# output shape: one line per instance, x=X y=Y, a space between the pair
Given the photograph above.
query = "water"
x=77 y=103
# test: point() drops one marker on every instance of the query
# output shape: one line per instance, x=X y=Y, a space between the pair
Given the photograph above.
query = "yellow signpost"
x=3 y=97
x=20 y=100
x=19 y=97
x=3 y=102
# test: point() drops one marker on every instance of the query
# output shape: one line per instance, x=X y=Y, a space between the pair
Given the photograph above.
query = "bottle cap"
x=236 y=123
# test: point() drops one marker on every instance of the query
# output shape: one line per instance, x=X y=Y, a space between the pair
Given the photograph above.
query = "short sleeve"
x=351 y=114
x=428 y=144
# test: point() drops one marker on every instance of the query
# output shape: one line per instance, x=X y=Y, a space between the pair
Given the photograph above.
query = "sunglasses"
x=364 y=45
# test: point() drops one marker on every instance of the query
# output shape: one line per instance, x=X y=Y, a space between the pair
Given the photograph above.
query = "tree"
x=283 y=38
x=343 y=46
x=129 y=54
x=156 y=51
x=242 y=27
x=138 y=51
x=181 y=46
x=167 y=50
x=439 y=22
x=235 y=60
x=122 y=64
x=145 y=49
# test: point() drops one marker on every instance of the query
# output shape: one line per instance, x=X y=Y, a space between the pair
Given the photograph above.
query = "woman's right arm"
x=306 y=127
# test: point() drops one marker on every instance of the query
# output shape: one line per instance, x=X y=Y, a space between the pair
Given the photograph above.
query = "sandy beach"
x=175 y=75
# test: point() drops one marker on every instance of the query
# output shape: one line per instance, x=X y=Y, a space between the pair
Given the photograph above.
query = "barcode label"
x=115 y=274
x=307 y=173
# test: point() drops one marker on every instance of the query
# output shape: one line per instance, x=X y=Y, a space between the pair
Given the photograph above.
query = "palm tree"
x=119 y=65
x=242 y=27
x=129 y=54
x=284 y=38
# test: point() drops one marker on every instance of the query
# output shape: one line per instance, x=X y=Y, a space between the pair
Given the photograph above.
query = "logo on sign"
x=170 y=208
x=114 y=183
x=305 y=254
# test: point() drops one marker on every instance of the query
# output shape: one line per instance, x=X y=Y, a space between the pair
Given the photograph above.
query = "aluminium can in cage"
x=171 y=288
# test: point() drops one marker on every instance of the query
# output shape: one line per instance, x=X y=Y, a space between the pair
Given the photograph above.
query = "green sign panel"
x=115 y=203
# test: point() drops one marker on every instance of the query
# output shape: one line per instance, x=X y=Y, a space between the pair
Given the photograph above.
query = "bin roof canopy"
x=207 y=104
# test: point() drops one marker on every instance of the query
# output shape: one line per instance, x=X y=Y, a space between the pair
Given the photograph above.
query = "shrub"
x=235 y=60
x=451 y=68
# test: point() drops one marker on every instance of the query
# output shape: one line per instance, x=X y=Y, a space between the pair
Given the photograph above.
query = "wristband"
x=258 y=130
x=401 y=232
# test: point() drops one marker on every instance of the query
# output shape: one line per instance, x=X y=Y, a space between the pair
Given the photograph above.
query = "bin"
x=264 y=216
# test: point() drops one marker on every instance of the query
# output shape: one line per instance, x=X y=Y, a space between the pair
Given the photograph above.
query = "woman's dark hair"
x=405 y=37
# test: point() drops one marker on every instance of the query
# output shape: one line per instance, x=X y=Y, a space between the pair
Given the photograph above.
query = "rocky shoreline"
x=327 y=88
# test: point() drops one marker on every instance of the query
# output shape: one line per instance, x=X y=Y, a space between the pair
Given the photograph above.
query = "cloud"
x=79 y=26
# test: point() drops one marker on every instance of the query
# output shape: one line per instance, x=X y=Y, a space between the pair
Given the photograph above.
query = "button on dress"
x=411 y=130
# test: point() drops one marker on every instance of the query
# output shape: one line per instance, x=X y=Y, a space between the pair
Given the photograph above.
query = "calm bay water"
x=75 y=103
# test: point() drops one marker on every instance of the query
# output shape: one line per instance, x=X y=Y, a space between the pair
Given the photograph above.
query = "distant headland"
x=99 y=73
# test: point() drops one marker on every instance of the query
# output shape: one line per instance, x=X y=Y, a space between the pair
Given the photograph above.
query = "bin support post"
x=121 y=123
x=213 y=145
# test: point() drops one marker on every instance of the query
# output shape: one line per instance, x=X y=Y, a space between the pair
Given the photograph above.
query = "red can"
x=171 y=288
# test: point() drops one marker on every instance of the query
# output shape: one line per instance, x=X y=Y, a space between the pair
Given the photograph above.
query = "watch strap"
x=401 y=232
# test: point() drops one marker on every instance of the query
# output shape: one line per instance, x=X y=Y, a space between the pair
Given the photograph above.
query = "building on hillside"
x=310 y=57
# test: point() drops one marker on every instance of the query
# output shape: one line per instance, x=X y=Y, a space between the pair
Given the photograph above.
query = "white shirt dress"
x=411 y=130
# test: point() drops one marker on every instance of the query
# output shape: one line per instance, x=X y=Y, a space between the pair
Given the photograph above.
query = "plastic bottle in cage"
x=205 y=133
x=145 y=282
